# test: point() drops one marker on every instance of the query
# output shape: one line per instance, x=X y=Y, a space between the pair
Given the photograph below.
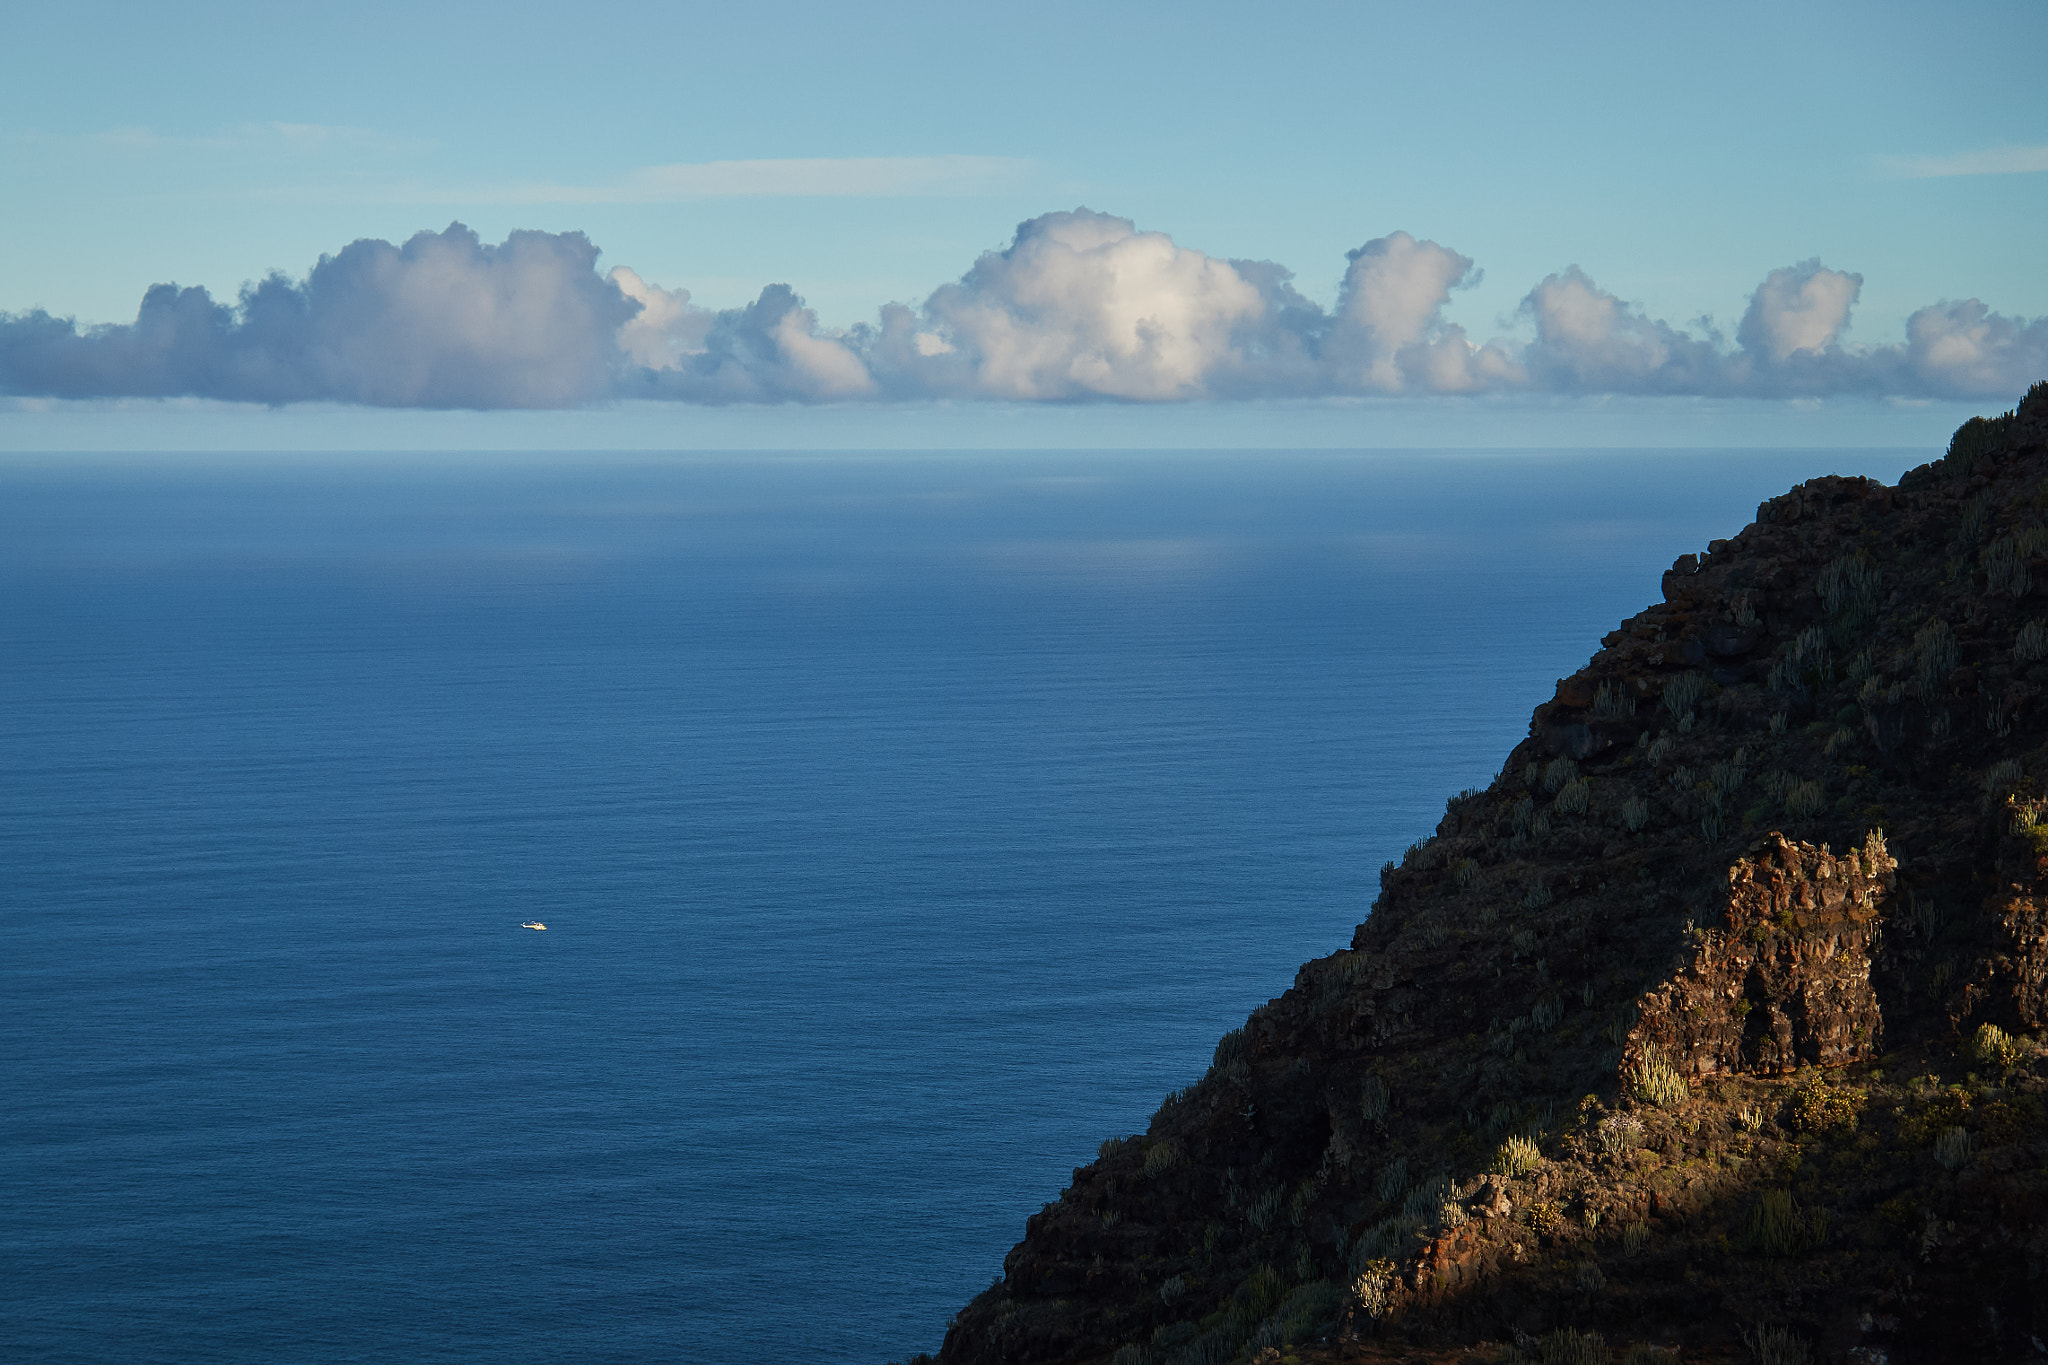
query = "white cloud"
x=1083 y=305
x=1802 y=307
x=1589 y=341
x=1966 y=350
x=667 y=330
x=1079 y=306
x=1992 y=161
x=442 y=321
x=771 y=351
x=1389 y=333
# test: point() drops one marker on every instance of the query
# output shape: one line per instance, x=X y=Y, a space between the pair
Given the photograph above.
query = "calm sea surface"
x=903 y=826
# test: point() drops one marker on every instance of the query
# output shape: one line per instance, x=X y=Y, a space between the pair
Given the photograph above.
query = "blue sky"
x=1677 y=157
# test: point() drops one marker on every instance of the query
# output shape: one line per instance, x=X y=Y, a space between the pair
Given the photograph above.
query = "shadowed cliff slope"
x=1711 y=1026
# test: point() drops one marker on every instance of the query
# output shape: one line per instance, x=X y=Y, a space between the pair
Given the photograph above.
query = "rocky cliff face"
x=1628 y=1060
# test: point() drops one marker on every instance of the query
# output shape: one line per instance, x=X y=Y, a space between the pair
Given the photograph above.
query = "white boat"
x=533 y=924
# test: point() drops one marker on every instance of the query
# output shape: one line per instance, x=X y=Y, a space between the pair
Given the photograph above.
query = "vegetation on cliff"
x=1711 y=1029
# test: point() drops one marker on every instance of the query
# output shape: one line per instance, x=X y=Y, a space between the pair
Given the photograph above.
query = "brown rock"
x=1785 y=981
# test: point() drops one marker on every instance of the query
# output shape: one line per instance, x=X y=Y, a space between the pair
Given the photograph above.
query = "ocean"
x=903 y=826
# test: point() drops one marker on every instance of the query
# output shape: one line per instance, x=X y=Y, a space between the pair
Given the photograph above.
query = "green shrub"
x=1574 y=797
x=1654 y=1080
x=1171 y=1108
x=2005 y=561
x=1635 y=1238
x=1994 y=1047
x=2026 y=818
x=1776 y=1226
x=1569 y=1347
x=1517 y=1156
x=1309 y=1312
x=1393 y=1178
x=1683 y=693
x=1161 y=1157
x=1374 y=1288
x=1613 y=703
x=1976 y=520
x=1264 y=1209
x=1972 y=441
x=1952 y=1149
x=1924 y=915
x=1298 y=1203
x=1775 y=1346
x=1804 y=800
x=1825 y=1108
x=1635 y=813
x=1805 y=663
x=2031 y=644
x=1726 y=777
x=1373 y=1099
x=1260 y=1293
x=1426 y=1201
x=1848 y=587
x=1384 y=1240
x=1618 y=1133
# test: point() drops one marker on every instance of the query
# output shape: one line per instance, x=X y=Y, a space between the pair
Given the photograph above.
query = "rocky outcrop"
x=1627 y=1058
x=1784 y=982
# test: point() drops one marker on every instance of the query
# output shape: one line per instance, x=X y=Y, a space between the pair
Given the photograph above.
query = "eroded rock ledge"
x=1784 y=981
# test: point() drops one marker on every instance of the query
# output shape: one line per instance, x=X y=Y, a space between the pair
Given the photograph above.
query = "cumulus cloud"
x=771 y=351
x=1083 y=305
x=1589 y=341
x=1801 y=308
x=442 y=321
x=1965 y=348
x=1078 y=306
x=1389 y=333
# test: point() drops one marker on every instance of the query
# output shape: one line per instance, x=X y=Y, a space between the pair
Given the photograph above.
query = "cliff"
x=1708 y=1031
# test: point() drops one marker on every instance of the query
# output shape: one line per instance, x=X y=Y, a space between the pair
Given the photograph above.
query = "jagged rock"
x=1785 y=981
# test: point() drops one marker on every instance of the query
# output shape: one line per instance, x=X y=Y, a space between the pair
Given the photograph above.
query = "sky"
x=1070 y=224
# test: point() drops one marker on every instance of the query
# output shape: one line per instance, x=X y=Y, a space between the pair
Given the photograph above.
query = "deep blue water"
x=903 y=826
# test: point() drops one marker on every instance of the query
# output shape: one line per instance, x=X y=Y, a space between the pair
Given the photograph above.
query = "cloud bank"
x=1080 y=306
